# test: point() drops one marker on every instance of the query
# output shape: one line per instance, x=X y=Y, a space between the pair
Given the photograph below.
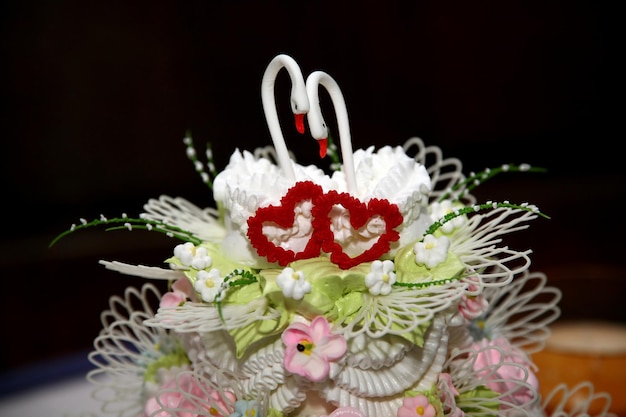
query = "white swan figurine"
x=299 y=106
x=318 y=127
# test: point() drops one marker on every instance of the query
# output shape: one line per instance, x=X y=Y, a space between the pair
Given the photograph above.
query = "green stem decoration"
x=207 y=177
x=247 y=278
x=130 y=224
x=475 y=180
x=478 y=207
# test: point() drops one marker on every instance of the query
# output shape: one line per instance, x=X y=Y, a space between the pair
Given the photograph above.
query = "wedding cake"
x=382 y=288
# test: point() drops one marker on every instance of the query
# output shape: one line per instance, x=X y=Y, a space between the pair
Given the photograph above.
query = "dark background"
x=98 y=95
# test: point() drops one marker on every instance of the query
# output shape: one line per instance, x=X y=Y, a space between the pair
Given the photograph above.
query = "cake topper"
x=299 y=106
x=317 y=125
x=381 y=289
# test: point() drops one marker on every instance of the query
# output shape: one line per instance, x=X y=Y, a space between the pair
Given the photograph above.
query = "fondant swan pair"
x=248 y=185
x=305 y=100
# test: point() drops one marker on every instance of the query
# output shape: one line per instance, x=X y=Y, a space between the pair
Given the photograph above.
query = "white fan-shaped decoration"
x=406 y=308
x=477 y=245
x=578 y=401
x=178 y=212
x=444 y=173
x=206 y=318
x=523 y=311
x=123 y=349
x=143 y=271
x=215 y=350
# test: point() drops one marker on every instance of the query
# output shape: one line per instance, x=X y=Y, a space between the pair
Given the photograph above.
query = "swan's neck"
x=318 y=125
x=299 y=104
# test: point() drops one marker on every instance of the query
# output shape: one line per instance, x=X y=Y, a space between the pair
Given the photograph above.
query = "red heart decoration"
x=360 y=213
x=284 y=217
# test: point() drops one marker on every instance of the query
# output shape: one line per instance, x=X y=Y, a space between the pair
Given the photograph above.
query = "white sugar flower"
x=195 y=256
x=293 y=283
x=209 y=284
x=440 y=209
x=431 y=251
x=389 y=173
x=381 y=277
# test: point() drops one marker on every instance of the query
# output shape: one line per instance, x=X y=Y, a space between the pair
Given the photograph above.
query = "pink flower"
x=346 y=412
x=472 y=306
x=447 y=392
x=181 y=291
x=417 y=406
x=309 y=349
x=175 y=395
x=504 y=369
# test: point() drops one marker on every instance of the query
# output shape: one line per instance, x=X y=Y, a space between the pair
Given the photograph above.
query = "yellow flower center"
x=295 y=276
x=385 y=278
x=305 y=347
x=209 y=283
x=419 y=410
x=429 y=245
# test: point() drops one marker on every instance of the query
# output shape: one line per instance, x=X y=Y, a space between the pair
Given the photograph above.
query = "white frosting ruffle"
x=391 y=174
x=249 y=183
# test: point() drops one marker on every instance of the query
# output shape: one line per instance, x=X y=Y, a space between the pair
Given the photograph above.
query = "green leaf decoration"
x=272 y=412
x=328 y=284
x=408 y=271
x=176 y=358
x=255 y=331
x=348 y=306
x=482 y=394
x=258 y=329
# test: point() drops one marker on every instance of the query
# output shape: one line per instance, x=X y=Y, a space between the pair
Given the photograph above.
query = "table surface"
x=55 y=388
x=67 y=398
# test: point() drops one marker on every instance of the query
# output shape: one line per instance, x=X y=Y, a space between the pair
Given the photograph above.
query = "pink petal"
x=332 y=347
x=317 y=369
x=295 y=334
x=319 y=328
x=183 y=285
x=171 y=299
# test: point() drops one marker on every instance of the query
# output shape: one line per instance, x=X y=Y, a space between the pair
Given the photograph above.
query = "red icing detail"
x=283 y=216
x=323 y=146
x=299 y=122
x=360 y=213
x=322 y=237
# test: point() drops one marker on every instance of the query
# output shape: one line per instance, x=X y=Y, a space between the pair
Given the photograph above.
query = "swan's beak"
x=299 y=122
x=323 y=146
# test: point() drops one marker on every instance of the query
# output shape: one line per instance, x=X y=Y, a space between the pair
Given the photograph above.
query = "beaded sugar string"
x=207 y=177
x=125 y=222
x=476 y=179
